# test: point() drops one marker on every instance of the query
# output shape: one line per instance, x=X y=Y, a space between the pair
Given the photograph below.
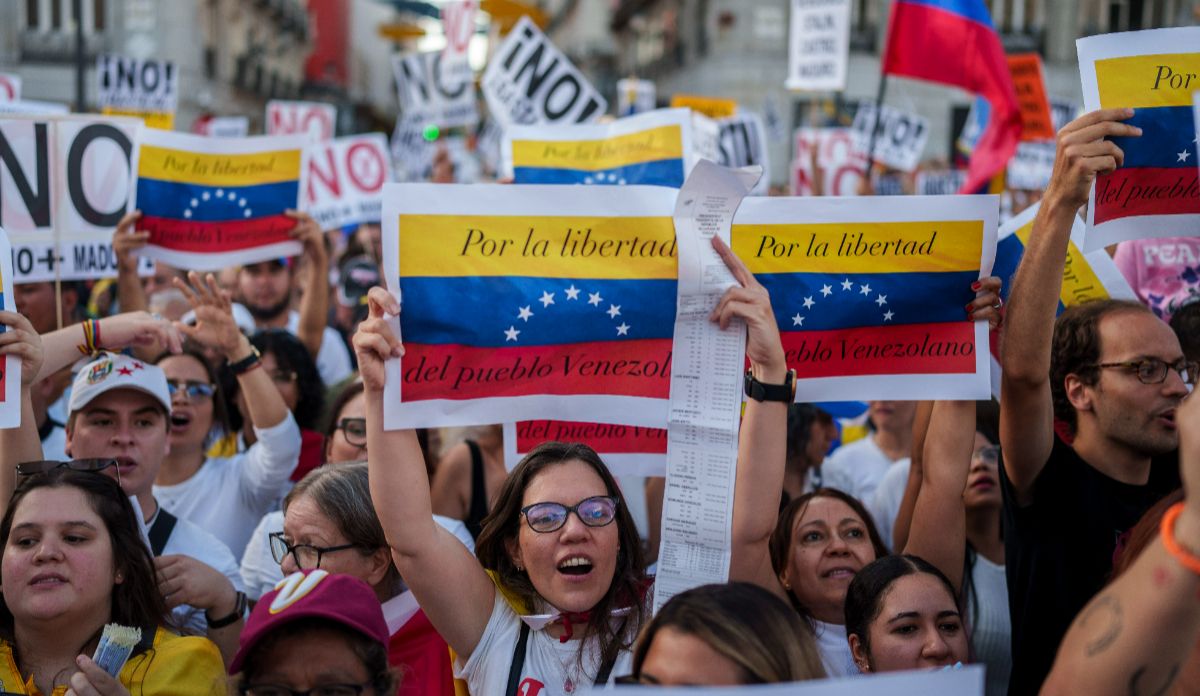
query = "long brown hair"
x=503 y=524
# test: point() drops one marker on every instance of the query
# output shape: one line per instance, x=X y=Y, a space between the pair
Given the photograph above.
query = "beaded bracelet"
x=91 y=337
x=1185 y=557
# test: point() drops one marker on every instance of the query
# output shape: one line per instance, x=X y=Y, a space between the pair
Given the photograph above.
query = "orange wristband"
x=1185 y=557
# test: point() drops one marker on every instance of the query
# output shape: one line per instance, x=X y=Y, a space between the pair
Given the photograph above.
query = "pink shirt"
x=1165 y=272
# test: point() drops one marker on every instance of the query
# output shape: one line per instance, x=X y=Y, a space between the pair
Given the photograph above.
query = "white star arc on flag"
x=572 y=292
x=524 y=313
x=594 y=299
x=797 y=320
x=865 y=290
x=511 y=334
x=826 y=290
x=808 y=302
x=613 y=311
x=547 y=299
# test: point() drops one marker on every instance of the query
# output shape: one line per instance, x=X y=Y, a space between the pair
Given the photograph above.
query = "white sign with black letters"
x=944 y=182
x=900 y=137
x=819 y=45
x=742 y=142
x=529 y=81
x=435 y=88
x=130 y=84
x=346 y=178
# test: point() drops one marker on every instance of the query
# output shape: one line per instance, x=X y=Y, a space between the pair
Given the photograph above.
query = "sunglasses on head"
x=47 y=465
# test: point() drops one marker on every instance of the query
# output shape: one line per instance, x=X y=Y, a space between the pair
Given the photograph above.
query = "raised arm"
x=916 y=471
x=762 y=446
x=448 y=582
x=314 y=305
x=1026 y=410
x=20 y=444
x=126 y=243
x=1135 y=635
x=120 y=331
x=939 y=521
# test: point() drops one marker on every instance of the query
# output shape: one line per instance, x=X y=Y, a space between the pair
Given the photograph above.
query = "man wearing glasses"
x=1088 y=429
x=118 y=426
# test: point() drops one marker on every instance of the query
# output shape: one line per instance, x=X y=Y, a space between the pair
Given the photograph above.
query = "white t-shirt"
x=548 y=663
x=227 y=496
x=991 y=626
x=333 y=360
x=189 y=540
x=856 y=468
x=260 y=573
x=834 y=649
x=54 y=446
x=885 y=504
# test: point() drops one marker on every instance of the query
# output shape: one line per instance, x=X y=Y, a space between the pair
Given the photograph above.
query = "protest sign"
x=1062 y=112
x=819 y=45
x=345 y=180
x=317 y=119
x=210 y=203
x=10 y=366
x=960 y=681
x=1031 y=166
x=225 y=127
x=10 y=87
x=412 y=155
x=64 y=185
x=1086 y=277
x=530 y=302
x=652 y=148
x=977 y=120
x=1156 y=191
x=709 y=106
x=627 y=450
x=1026 y=70
x=530 y=81
x=635 y=96
x=33 y=108
x=940 y=182
x=148 y=89
x=458 y=24
x=899 y=137
x=869 y=292
x=742 y=142
x=838 y=157
x=435 y=88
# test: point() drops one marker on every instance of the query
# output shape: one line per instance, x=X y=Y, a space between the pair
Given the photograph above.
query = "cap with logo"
x=109 y=371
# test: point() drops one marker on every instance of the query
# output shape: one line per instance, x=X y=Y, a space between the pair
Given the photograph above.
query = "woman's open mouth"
x=575 y=565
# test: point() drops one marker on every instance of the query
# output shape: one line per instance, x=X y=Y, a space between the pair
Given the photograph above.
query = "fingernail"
x=1137 y=130
x=976 y=285
x=969 y=308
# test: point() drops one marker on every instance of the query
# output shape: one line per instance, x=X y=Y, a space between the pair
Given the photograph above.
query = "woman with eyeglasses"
x=225 y=495
x=329 y=524
x=557 y=594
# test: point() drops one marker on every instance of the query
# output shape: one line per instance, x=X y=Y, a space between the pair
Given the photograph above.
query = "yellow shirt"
x=173 y=666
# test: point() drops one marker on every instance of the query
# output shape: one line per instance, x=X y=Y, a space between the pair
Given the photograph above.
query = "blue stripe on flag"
x=180 y=201
x=973 y=10
x=1167 y=139
x=657 y=173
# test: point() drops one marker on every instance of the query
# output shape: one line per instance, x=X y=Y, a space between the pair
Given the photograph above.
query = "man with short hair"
x=1087 y=419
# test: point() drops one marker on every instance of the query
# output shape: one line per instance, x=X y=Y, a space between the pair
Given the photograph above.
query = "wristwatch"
x=244 y=365
x=760 y=392
x=239 y=608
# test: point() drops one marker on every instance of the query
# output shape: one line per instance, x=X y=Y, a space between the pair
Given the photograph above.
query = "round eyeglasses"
x=597 y=511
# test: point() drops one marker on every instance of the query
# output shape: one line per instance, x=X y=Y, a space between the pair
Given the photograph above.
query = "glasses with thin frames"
x=354 y=430
x=324 y=690
x=597 y=511
x=306 y=556
x=1154 y=371
x=194 y=391
x=94 y=466
x=988 y=453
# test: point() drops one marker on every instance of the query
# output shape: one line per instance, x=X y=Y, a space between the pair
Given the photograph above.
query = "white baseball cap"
x=109 y=371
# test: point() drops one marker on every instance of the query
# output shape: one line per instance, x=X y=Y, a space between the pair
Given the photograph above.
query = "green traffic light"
x=431 y=133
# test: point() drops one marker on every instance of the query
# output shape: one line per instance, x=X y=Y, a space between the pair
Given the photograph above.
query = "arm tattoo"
x=1105 y=612
x=1135 y=688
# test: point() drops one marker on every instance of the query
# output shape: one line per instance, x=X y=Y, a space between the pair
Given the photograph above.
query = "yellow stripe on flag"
x=709 y=106
x=447 y=246
x=866 y=247
x=168 y=164
x=1168 y=79
x=1080 y=283
x=664 y=142
x=162 y=120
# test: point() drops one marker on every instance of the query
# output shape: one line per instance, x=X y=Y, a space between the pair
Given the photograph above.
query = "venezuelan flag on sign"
x=197 y=199
x=874 y=298
x=650 y=148
x=1159 y=176
x=954 y=42
x=573 y=305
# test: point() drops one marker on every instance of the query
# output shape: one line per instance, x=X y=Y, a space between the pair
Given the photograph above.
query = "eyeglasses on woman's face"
x=194 y=391
x=597 y=511
x=354 y=430
x=43 y=466
x=306 y=556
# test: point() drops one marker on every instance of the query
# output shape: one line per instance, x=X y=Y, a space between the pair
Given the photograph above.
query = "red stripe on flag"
x=1147 y=191
x=605 y=439
x=618 y=368
x=943 y=348
x=217 y=237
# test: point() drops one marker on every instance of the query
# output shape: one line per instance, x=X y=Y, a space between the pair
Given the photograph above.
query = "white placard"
x=435 y=88
x=1156 y=192
x=317 y=119
x=635 y=96
x=10 y=371
x=742 y=142
x=900 y=137
x=819 y=45
x=529 y=81
x=940 y=182
x=64 y=184
x=458 y=24
x=33 y=108
x=131 y=84
x=346 y=178
x=1031 y=166
x=227 y=127
x=964 y=681
x=10 y=87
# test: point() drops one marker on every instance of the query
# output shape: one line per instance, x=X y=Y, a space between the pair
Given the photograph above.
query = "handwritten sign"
x=346 y=178
x=900 y=137
x=940 y=182
x=819 y=45
x=742 y=142
x=147 y=89
x=435 y=88
x=1026 y=70
x=635 y=96
x=317 y=119
x=10 y=365
x=627 y=450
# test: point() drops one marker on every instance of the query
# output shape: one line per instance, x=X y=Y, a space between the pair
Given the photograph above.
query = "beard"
x=269 y=312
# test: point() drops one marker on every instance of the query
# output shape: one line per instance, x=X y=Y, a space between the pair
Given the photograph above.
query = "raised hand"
x=126 y=241
x=987 y=303
x=1084 y=152
x=750 y=302
x=140 y=329
x=374 y=342
x=215 y=327
x=22 y=341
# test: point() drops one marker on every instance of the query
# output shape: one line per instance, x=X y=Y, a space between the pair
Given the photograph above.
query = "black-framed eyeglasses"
x=282 y=376
x=194 y=391
x=354 y=430
x=597 y=511
x=306 y=556
x=323 y=690
x=94 y=466
x=1154 y=371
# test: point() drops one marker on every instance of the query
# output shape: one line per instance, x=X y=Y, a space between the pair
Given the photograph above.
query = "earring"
x=119 y=578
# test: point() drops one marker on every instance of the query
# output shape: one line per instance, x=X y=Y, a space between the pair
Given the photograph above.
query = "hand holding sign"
x=127 y=242
x=21 y=341
x=749 y=301
x=374 y=342
x=1084 y=152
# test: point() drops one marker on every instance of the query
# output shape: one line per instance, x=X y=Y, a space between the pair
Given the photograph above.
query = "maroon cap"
x=319 y=594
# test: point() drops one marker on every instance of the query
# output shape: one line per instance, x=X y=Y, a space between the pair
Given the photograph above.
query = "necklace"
x=570 y=660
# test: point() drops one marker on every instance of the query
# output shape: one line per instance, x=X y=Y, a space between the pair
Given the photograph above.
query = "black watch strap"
x=760 y=392
x=241 y=366
x=239 y=608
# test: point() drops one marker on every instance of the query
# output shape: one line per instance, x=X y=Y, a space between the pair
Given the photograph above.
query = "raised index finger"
x=381 y=302
x=740 y=273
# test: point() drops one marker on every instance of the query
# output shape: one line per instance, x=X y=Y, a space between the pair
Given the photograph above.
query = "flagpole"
x=875 y=126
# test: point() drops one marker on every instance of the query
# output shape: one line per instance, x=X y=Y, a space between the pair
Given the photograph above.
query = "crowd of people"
x=214 y=471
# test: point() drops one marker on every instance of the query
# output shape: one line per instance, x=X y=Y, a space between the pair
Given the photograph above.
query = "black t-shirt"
x=1058 y=550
